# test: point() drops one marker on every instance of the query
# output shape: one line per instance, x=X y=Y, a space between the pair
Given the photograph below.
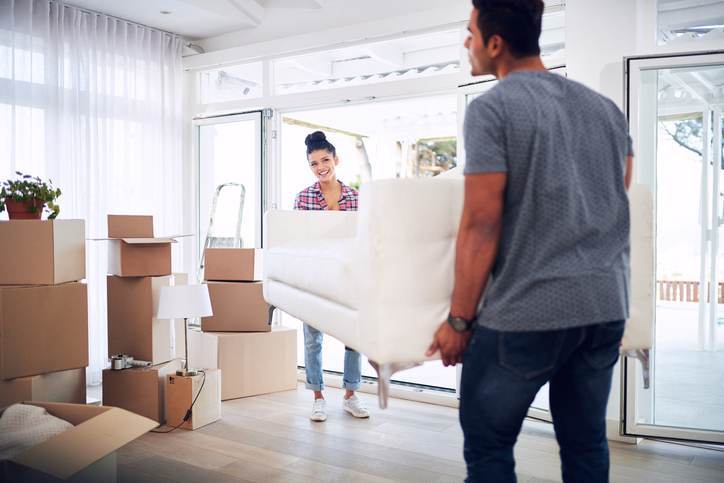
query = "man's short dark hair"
x=518 y=22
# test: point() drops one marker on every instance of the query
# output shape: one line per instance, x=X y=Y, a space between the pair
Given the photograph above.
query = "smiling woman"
x=328 y=193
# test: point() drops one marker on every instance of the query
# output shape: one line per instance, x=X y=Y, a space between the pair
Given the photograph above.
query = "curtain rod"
x=93 y=12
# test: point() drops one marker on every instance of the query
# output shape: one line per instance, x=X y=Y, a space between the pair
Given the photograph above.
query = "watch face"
x=458 y=324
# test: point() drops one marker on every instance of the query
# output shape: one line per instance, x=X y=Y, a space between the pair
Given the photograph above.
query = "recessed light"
x=165 y=12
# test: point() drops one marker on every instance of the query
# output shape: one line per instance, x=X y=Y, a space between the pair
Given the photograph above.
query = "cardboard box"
x=238 y=307
x=64 y=386
x=132 y=327
x=233 y=264
x=43 y=329
x=254 y=363
x=181 y=392
x=42 y=252
x=139 y=390
x=85 y=452
x=133 y=251
x=203 y=349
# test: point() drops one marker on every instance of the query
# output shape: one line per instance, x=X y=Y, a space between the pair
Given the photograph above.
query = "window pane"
x=405 y=58
x=229 y=155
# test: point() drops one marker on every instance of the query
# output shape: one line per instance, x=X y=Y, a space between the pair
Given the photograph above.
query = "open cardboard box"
x=133 y=250
x=42 y=252
x=85 y=452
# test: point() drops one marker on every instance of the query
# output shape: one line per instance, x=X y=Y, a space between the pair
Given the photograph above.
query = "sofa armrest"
x=284 y=226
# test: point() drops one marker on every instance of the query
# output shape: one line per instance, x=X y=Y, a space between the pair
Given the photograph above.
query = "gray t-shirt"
x=563 y=259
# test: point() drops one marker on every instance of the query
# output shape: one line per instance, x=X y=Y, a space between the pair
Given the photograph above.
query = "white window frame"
x=645 y=173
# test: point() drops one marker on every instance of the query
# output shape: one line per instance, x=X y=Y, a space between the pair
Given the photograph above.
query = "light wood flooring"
x=270 y=439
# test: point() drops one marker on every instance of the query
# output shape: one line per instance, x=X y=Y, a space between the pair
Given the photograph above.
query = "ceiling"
x=260 y=20
x=201 y=19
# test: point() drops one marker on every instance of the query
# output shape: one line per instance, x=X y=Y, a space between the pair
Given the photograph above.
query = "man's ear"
x=495 y=45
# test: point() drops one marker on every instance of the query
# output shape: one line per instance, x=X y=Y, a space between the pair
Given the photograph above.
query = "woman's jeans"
x=313 y=362
x=503 y=371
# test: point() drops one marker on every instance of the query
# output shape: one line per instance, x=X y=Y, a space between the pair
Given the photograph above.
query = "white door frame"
x=638 y=403
x=258 y=117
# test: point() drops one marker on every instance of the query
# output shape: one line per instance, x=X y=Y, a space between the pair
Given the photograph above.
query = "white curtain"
x=94 y=103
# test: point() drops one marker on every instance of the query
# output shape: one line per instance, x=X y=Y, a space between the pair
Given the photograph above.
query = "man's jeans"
x=503 y=371
x=313 y=362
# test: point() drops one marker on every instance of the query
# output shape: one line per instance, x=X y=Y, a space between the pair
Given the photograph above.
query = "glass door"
x=675 y=107
x=230 y=180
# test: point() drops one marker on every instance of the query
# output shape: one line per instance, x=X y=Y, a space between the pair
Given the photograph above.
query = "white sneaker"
x=319 y=412
x=355 y=407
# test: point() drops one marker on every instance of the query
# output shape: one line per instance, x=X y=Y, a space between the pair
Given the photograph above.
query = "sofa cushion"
x=322 y=268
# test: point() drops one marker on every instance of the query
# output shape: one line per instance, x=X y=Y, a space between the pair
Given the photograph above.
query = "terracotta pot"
x=23 y=210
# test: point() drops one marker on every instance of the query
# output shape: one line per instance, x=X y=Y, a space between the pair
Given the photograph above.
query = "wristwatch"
x=459 y=324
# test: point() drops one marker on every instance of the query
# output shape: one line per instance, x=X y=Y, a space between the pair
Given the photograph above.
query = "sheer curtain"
x=94 y=103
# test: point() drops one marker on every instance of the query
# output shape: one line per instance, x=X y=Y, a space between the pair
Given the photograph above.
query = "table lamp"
x=184 y=301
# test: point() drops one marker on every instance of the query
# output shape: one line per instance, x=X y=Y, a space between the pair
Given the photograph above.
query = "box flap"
x=130 y=226
x=69 y=452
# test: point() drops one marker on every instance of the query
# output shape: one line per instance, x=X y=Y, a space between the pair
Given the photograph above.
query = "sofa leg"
x=384 y=375
x=271 y=314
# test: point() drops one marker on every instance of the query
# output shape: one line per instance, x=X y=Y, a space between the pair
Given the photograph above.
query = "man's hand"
x=451 y=344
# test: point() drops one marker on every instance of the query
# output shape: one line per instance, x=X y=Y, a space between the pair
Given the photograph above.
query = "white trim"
x=439 y=84
x=258 y=118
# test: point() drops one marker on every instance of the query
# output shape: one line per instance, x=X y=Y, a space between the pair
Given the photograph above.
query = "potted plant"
x=26 y=197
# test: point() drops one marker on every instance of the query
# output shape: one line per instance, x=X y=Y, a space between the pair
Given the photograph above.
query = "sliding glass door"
x=675 y=109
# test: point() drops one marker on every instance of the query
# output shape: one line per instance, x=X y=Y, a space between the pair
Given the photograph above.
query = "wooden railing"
x=684 y=291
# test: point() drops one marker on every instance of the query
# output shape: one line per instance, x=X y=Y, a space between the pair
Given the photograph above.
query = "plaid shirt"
x=311 y=198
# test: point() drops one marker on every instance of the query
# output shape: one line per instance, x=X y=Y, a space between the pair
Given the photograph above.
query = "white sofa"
x=380 y=279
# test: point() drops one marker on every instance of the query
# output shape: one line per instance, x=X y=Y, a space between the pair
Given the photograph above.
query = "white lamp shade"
x=184 y=301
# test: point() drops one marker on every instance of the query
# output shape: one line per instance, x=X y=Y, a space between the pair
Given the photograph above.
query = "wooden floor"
x=270 y=439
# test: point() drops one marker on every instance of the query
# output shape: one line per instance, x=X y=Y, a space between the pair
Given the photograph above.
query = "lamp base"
x=187 y=372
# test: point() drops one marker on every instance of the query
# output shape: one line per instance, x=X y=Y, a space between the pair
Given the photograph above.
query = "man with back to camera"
x=548 y=165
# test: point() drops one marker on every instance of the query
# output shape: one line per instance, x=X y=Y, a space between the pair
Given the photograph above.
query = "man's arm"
x=478 y=238
x=476 y=248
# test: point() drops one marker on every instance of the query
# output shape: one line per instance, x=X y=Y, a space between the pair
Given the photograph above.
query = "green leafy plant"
x=28 y=188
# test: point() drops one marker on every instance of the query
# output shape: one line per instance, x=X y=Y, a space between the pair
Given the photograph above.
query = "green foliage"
x=27 y=188
x=436 y=155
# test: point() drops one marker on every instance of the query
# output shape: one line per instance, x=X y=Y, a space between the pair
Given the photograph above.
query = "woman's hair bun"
x=315 y=138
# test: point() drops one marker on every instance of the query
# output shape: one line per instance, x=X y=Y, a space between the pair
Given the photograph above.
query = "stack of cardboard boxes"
x=139 y=265
x=43 y=311
x=254 y=358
